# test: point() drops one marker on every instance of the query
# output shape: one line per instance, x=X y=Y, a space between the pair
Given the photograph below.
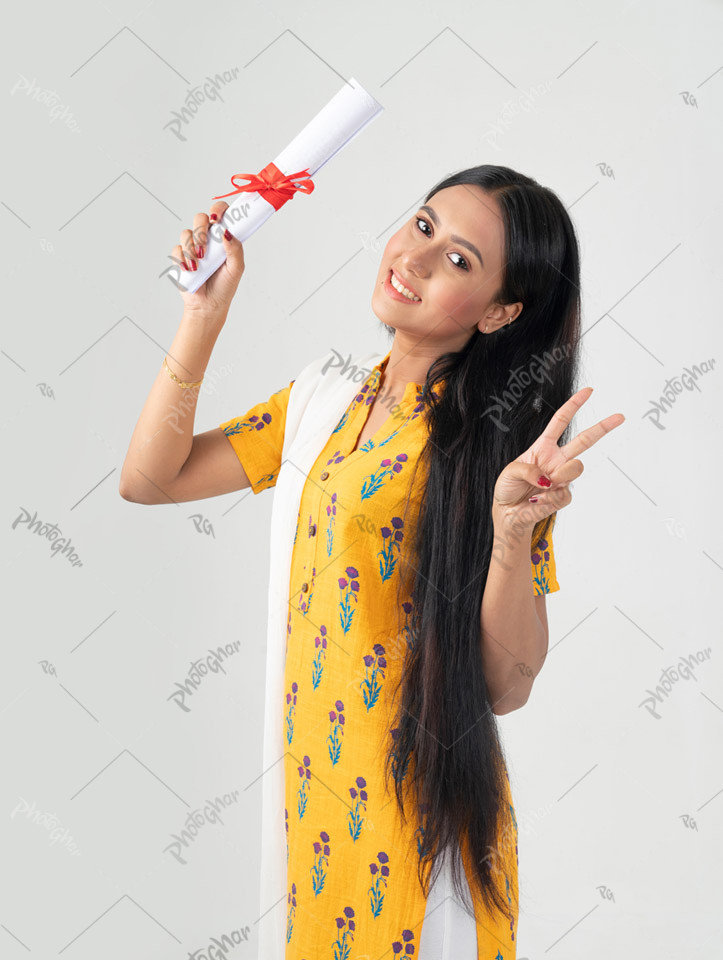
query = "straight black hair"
x=499 y=393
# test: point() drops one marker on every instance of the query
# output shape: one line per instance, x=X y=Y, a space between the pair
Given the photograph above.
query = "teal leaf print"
x=321 y=852
x=345 y=926
x=331 y=514
x=392 y=541
x=245 y=426
x=336 y=718
x=370 y=688
x=317 y=667
x=388 y=469
x=302 y=794
x=359 y=805
x=291 y=900
x=349 y=591
x=380 y=873
x=540 y=560
x=291 y=703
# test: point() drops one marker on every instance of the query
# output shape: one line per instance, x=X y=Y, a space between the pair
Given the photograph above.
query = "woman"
x=421 y=558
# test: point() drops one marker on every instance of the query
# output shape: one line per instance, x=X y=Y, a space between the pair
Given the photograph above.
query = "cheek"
x=449 y=300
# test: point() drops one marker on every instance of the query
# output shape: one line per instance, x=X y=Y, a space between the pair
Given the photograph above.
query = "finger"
x=177 y=256
x=200 y=233
x=562 y=417
x=217 y=210
x=585 y=439
x=566 y=472
x=557 y=498
x=189 y=251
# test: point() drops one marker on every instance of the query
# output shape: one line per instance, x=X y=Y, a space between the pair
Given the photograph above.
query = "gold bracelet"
x=181 y=383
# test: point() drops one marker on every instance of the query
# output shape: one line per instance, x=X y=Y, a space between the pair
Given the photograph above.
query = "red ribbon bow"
x=274 y=186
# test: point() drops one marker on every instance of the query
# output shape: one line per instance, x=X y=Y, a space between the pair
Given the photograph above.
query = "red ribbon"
x=274 y=186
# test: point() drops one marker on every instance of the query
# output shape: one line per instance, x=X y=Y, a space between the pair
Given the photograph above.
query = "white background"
x=614 y=106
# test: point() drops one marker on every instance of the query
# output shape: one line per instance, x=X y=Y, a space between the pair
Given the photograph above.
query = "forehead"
x=469 y=211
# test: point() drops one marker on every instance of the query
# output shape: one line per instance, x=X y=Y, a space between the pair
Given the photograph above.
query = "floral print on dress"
x=388 y=468
x=291 y=707
x=302 y=794
x=540 y=561
x=345 y=929
x=380 y=877
x=291 y=899
x=317 y=665
x=392 y=538
x=349 y=587
x=345 y=653
x=331 y=514
x=358 y=795
x=375 y=664
x=336 y=719
x=405 y=946
x=321 y=860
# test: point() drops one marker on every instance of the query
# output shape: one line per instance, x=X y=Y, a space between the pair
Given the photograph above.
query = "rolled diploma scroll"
x=336 y=125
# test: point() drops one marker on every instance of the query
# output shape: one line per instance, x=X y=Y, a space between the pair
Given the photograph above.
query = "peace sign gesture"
x=519 y=497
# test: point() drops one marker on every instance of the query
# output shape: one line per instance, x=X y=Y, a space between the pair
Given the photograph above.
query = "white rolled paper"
x=335 y=126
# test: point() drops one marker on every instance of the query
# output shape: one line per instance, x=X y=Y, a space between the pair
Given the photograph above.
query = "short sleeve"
x=544 y=573
x=258 y=438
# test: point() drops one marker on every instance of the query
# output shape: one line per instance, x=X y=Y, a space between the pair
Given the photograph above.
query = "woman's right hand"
x=214 y=295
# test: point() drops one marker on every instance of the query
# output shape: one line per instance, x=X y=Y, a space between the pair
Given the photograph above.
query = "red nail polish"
x=213 y=217
x=184 y=267
x=194 y=265
x=544 y=481
x=228 y=235
x=199 y=251
x=533 y=499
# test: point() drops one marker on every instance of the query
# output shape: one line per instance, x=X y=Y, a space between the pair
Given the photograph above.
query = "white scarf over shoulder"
x=317 y=401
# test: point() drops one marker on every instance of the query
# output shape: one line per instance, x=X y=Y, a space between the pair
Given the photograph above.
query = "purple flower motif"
x=536 y=558
x=339 y=705
x=324 y=836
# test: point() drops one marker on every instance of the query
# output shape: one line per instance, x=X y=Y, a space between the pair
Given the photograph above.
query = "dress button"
x=325 y=474
x=304 y=586
x=312 y=530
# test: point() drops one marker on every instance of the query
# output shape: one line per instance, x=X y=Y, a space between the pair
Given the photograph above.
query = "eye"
x=456 y=263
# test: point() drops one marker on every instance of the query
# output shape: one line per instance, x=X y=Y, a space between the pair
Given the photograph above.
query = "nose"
x=413 y=265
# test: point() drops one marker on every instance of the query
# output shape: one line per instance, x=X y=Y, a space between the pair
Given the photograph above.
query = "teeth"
x=403 y=290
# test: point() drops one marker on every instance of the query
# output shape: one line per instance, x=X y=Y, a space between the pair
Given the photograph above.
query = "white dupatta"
x=317 y=401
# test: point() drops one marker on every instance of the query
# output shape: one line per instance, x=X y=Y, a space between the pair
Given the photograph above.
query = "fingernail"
x=194 y=265
x=213 y=217
x=184 y=267
x=544 y=481
x=199 y=251
x=533 y=499
x=228 y=235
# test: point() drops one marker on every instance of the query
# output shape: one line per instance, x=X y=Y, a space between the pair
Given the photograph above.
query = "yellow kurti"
x=351 y=864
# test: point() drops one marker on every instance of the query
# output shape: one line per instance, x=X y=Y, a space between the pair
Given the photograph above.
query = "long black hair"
x=499 y=393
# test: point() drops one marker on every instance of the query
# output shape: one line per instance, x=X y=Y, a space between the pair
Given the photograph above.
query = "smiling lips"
x=401 y=284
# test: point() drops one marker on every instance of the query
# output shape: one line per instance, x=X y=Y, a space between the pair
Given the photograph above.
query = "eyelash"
x=417 y=219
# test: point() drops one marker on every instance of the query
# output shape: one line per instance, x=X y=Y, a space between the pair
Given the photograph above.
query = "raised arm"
x=165 y=462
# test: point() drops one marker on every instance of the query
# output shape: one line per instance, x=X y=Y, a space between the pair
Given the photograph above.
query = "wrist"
x=513 y=522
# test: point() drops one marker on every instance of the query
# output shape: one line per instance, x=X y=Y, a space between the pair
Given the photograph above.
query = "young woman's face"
x=450 y=254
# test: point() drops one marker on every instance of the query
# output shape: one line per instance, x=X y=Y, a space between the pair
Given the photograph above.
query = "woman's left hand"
x=519 y=481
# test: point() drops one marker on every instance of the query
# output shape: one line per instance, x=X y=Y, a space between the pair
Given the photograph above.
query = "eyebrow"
x=460 y=240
